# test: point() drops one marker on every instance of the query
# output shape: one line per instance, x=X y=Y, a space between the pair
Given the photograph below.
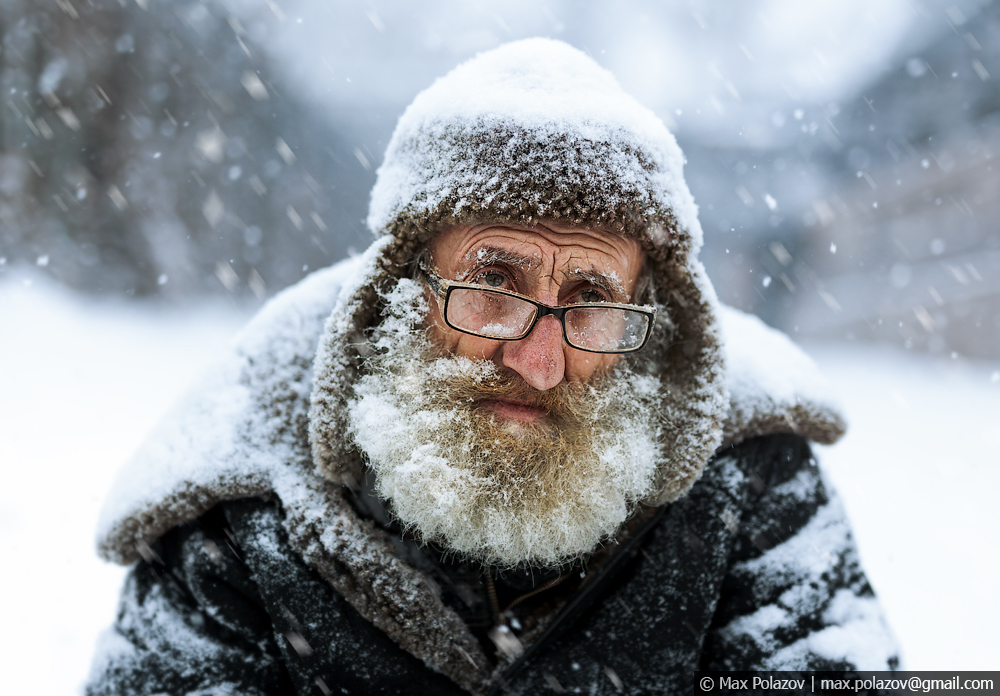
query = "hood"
x=536 y=130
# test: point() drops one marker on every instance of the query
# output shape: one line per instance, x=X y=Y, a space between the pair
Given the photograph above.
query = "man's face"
x=551 y=263
x=509 y=452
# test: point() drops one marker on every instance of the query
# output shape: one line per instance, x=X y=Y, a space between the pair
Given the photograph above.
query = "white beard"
x=493 y=490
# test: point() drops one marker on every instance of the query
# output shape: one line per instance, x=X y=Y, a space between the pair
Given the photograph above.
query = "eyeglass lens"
x=495 y=315
x=490 y=314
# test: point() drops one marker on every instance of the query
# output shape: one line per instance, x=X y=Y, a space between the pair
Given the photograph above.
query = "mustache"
x=565 y=402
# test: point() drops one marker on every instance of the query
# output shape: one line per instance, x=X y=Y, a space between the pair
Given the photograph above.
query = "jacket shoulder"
x=243 y=607
x=241 y=422
x=190 y=620
x=774 y=387
x=794 y=595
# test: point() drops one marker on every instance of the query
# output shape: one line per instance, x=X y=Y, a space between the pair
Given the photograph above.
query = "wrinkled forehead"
x=544 y=247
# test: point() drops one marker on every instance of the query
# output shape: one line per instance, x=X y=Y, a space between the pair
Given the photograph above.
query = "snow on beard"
x=501 y=492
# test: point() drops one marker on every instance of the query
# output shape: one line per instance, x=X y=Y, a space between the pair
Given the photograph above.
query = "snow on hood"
x=774 y=386
x=532 y=130
x=535 y=128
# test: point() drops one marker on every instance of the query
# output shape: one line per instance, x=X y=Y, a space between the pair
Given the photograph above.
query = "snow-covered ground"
x=919 y=472
x=81 y=383
x=84 y=380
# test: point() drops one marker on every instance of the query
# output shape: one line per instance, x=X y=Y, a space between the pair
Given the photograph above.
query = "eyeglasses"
x=601 y=327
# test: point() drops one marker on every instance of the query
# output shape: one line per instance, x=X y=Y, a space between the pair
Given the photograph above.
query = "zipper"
x=578 y=603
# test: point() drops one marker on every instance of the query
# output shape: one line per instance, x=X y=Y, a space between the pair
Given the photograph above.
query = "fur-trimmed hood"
x=533 y=130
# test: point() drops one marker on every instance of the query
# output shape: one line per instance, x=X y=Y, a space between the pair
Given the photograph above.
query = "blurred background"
x=168 y=165
x=841 y=152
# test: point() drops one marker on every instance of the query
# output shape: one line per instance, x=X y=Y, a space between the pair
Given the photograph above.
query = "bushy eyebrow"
x=607 y=281
x=490 y=254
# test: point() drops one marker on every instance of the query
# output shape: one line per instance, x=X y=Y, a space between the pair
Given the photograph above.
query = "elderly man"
x=516 y=446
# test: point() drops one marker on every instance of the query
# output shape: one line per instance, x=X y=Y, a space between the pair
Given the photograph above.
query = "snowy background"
x=166 y=166
x=841 y=150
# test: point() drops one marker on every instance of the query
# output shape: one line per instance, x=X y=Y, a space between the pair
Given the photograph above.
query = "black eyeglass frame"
x=438 y=283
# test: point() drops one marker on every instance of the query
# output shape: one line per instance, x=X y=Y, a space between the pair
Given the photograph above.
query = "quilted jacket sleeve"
x=795 y=596
x=189 y=623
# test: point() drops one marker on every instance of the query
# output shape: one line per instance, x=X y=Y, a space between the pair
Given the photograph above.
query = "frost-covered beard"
x=499 y=491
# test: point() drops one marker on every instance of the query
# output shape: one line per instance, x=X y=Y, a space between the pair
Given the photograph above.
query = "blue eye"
x=494 y=280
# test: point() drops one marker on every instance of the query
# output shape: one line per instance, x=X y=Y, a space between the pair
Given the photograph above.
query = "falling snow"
x=201 y=149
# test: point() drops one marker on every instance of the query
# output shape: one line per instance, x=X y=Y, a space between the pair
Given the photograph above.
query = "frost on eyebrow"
x=487 y=255
x=609 y=281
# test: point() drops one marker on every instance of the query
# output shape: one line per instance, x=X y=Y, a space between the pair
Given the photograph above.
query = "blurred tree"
x=146 y=149
x=911 y=207
x=195 y=146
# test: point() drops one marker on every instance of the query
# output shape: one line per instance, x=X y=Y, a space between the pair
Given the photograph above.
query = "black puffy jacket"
x=754 y=568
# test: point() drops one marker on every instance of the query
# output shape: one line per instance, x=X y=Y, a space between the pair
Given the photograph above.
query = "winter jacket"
x=255 y=576
x=754 y=569
x=262 y=569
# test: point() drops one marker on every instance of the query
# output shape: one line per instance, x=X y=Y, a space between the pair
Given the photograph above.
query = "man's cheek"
x=451 y=342
x=443 y=337
x=582 y=366
x=473 y=347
